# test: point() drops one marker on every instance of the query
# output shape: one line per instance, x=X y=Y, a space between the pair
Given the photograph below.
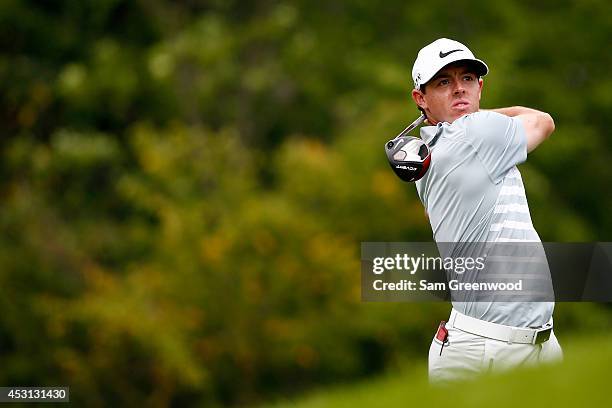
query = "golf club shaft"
x=411 y=126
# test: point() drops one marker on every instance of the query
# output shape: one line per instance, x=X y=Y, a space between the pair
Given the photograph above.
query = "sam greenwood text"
x=454 y=285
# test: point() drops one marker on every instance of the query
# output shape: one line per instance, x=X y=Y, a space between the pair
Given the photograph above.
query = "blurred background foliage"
x=185 y=185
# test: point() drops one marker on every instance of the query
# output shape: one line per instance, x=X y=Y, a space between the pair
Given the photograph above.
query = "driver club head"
x=409 y=157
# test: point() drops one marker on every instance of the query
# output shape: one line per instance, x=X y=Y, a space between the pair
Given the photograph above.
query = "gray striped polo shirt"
x=473 y=192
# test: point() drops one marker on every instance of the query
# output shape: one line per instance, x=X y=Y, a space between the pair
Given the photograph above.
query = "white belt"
x=501 y=332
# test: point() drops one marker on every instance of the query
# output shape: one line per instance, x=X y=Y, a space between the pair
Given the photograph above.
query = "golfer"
x=473 y=192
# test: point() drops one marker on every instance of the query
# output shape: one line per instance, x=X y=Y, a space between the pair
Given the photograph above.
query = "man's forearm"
x=514 y=110
x=538 y=125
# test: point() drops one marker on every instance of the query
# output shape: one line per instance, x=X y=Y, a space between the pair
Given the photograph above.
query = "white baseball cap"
x=435 y=56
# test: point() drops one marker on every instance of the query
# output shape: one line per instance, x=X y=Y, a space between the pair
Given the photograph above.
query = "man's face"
x=453 y=92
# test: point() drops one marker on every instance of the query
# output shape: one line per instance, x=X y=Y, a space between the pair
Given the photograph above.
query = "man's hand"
x=538 y=125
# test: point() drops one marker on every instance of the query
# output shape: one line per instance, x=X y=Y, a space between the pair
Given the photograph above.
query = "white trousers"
x=467 y=355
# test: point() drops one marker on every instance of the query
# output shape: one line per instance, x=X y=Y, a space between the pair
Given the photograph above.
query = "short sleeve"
x=499 y=140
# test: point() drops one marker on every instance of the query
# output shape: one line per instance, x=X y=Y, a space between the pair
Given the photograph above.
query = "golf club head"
x=409 y=157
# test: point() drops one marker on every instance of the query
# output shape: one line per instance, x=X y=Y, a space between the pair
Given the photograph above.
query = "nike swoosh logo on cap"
x=444 y=54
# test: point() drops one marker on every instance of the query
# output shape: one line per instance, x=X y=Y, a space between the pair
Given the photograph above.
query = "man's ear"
x=480 y=84
x=418 y=98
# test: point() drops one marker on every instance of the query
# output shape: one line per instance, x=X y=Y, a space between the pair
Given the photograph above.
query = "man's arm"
x=538 y=125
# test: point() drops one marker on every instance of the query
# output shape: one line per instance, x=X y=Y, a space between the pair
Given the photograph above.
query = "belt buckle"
x=542 y=335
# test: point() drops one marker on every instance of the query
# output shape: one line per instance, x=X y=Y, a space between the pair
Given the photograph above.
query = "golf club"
x=408 y=156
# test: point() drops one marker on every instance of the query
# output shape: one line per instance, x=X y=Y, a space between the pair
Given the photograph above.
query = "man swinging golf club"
x=473 y=192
